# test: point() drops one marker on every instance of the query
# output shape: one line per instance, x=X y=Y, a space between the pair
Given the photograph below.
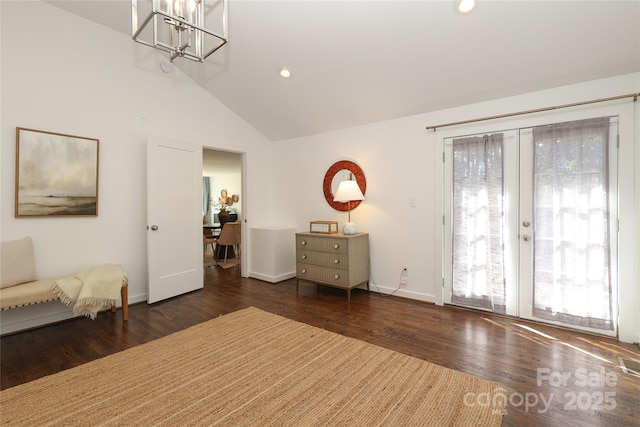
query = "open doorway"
x=222 y=203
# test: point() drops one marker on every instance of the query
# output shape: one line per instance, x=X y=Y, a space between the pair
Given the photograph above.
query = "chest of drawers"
x=337 y=260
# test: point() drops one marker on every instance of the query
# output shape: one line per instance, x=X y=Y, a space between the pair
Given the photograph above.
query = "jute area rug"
x=252 y=368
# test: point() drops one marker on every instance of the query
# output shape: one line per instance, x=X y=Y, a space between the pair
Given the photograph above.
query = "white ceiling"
x=358 y=62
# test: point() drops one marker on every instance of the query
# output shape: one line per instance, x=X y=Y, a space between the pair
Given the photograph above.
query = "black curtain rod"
x=537 y=110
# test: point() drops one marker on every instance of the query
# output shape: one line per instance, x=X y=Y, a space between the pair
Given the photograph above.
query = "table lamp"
x=348 y=191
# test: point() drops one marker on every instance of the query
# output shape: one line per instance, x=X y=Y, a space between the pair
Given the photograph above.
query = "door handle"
x=526 y=237
x=154 y=227
x=526 y=223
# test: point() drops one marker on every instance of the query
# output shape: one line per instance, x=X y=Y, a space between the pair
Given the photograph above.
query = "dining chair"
x=208 y=238
x=230 y=236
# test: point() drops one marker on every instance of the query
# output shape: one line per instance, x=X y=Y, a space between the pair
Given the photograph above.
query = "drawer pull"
x=336 y=276
x=304 y=256
x=336 y=261
x=304 y=271
x=336 y=246
x=303 y=242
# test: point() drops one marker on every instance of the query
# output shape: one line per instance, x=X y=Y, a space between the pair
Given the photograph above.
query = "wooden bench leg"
x=125 y=303
x=124 y=292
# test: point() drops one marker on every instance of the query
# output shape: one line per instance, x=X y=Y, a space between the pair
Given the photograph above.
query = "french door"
x=531 y=223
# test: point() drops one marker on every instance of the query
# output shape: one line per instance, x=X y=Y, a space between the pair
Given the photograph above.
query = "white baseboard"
x=403 y=293
x=272 y=279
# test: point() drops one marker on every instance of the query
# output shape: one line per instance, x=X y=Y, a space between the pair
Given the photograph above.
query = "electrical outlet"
x=404 y=275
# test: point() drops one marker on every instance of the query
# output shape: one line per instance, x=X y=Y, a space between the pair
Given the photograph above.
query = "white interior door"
x=174 y=218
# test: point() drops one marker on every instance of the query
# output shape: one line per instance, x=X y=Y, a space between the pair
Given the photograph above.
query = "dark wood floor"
x=497 y=348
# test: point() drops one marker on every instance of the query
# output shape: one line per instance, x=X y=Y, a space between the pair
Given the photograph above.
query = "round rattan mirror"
x=345 y=166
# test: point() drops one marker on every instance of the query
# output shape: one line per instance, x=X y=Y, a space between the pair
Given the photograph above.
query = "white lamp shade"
x=348 y=191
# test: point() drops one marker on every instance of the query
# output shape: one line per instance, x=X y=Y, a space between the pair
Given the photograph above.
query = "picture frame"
x=56 y=174
x=323 y=227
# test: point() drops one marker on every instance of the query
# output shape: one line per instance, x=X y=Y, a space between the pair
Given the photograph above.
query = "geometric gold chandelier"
x=183 y=28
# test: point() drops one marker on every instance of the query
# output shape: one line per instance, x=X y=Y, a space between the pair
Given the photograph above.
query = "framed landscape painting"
x=56 y=174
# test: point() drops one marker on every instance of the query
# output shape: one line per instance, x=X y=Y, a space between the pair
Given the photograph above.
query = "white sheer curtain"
x=572 y=279
x=477 y=207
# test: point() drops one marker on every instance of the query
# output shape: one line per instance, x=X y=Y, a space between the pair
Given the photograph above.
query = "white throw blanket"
x=90 y=290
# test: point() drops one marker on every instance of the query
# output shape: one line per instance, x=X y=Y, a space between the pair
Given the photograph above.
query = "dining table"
x=212 y=226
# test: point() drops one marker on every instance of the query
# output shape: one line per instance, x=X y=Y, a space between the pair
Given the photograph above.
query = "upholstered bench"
x=19 y=285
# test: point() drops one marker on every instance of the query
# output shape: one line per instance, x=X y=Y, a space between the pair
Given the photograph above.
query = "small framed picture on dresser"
x=323 y=227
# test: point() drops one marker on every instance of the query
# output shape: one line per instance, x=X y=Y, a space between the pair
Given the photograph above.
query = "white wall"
x=62 y=73
x=231 y=182
x=402 y=160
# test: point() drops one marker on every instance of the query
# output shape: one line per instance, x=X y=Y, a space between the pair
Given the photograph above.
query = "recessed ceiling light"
x=284 y=73
x=465 y=6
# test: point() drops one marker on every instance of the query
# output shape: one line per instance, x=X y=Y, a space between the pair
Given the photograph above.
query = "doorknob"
x=526 y=223
x=526 y=237
x=154 y=227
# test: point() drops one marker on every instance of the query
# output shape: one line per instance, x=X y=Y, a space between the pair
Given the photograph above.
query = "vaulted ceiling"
x=358 y=62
